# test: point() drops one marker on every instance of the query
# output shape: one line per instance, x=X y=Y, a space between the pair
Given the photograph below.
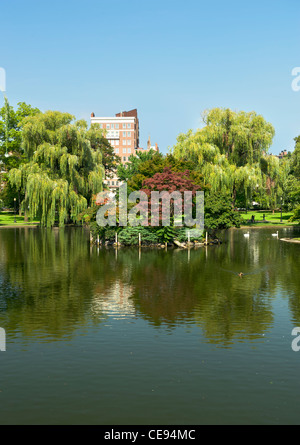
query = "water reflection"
x=53 y=282
x=115 y=301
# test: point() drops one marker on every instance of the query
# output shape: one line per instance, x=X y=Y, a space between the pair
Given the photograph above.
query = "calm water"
x=104 y=337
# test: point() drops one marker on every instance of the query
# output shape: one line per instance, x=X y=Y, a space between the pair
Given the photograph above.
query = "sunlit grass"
x=8 y=219
x=270 y=217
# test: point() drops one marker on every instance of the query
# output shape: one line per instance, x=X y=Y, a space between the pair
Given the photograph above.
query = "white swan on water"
x=246 y=235
x=275 y=234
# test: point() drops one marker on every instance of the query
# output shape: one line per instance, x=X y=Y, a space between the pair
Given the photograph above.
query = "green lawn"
x=8 y=219
x=270 y=218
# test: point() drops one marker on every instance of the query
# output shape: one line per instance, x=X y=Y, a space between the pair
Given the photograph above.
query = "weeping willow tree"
x=275 y=173
x=246 y=180
x=207 y=158
x=295 y=159
x=242 y=137
x=220 y=173
x=63 y=171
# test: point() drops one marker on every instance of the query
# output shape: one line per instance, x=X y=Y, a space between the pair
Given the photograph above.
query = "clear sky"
x=169 y=59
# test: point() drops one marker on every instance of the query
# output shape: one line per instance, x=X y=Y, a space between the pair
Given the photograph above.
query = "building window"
x=124 y=141
x=129 y=134
x=101 y=125
x=112 y=182
x=128 y=150
x=124 y=150
x=128 y=142
x=117 y=142
x=117 y=150
x=117 y=126
x=128 y=125
x=112 y=126
x=124 y=158
x=124 y=134
x=107 y=126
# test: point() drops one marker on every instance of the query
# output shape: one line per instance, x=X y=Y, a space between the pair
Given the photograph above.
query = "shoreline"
x=260 y=226
x=18 y=226
x=290 y=240
x=266 y=226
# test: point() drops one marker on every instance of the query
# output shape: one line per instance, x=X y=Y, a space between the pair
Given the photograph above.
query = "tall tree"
x=242 y=137
x=63 y=171
x=11 y=124
x=227 y=152
x=295 y=159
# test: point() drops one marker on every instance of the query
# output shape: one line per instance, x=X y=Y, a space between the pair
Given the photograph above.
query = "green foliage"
x=291 y=193
x=127 y=171
x=11 y=152
x=7 y=197
x=165 y=234
x=182 y=235
x=219 y=213
x=296 y=215
x=146 y=169
x=63 y=171
x=230 y=153
x=242 y=137
x=11 y=124
x=295 y=159
x=129 y=236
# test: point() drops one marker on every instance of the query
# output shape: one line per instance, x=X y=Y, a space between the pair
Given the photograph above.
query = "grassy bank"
x=271 y=218
x=9 y=219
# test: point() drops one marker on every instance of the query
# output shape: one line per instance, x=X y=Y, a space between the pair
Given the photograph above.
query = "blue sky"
x=171 y=60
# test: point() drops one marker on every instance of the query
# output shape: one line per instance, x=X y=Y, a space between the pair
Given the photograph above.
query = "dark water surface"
x=151 y=337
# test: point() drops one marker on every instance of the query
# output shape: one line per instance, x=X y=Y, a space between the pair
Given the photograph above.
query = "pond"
x=149 y=337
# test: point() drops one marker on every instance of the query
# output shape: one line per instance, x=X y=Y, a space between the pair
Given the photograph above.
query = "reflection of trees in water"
x=242 y=307
x=49 y=270
x=207 y=287
x=54 y=282
x=224 y=305
x=291 y=271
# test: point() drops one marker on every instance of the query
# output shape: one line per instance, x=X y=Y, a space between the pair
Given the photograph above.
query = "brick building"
x=122 y=132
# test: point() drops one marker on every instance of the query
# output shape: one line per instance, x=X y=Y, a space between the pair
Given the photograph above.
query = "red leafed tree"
x=169 y=181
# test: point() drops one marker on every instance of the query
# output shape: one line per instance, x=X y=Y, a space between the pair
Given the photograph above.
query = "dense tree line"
x=55 y=166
